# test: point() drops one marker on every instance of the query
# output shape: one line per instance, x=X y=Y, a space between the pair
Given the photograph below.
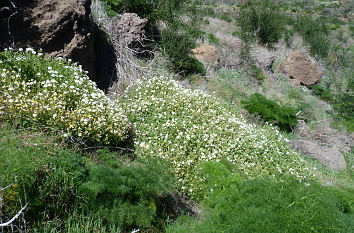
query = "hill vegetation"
x=160 y=157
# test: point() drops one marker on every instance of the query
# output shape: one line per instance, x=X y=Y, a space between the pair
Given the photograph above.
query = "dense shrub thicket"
x=55 y=93
x=270 y=111
x=261 y=20
x=187 y=127
x=153 y=10
x=177 y=41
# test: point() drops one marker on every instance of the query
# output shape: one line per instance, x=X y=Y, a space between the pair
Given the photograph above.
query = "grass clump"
x=213 y=39
x=235 y=204
x=187 y=127
x=55 y=93
x=284 y=117
x=261 y=20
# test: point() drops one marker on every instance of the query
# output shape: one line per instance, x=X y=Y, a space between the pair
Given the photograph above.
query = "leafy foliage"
x=64 y=188
x=314 y=32
x=153 y=10
x=322 y=92
x=270 y=111
x=126 y=195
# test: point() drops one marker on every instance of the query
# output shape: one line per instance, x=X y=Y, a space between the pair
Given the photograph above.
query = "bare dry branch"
x=15 y=217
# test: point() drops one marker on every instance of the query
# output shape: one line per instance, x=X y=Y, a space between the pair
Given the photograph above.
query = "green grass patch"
x=284 y=117
x=235 y=204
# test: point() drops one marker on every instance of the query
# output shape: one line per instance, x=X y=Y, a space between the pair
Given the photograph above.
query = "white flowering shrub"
x=57 y=94
x=188 y=127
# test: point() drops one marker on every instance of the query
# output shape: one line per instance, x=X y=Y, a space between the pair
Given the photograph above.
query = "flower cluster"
x=188 y=127
x=58 y=94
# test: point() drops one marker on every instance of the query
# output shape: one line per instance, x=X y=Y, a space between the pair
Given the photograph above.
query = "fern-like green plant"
x=283 y=116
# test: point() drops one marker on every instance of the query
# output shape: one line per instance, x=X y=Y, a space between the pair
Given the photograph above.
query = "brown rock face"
x=64 y=29
x=301 y=68
x=61 y=29
x=206 y=53
x=130 y=28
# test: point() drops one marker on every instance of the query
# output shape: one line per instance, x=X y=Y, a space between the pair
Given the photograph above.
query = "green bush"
x=153 y=10
x=261 y=20
x=314 y=32
x=125 y=195
x=270 y=111
x=226 y=18
x=177 y=41
x=234 y=204
x=321 y=92
x=57 y=94
x=187 y=127
x=257 y=73
x=64 y=189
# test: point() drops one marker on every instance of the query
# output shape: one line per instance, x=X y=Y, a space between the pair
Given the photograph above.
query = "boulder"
x=207 y=54
x=330 y=156
x=129 y=27
x=301 y=68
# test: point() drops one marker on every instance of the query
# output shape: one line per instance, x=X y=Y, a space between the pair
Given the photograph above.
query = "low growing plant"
x=270 y=111
x=188 y=127
x=236 y=204
x=55 y=93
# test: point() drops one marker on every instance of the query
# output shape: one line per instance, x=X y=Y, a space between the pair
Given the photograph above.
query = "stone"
x=129 y=27
x=206 y=54
x=301 y=68
x=326 y=135
x=330 y=156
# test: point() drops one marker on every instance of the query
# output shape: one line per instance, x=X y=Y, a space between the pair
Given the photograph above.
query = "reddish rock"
x=206 y=53
x=301 y=68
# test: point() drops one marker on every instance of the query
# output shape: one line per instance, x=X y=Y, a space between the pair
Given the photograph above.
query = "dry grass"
x=129 y=68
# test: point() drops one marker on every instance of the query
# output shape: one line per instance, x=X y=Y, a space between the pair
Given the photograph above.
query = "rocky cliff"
x=60 y=29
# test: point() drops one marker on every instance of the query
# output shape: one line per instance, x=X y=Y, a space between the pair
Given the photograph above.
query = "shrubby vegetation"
x=65 y=190
x=176 y=40
x=314 y=32
x=270 y=111
x=236 y=204
x=187 y=127
x=55 y=93
x=261 y=20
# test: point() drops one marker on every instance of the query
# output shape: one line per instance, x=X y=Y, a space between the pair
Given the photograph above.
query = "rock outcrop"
x=301 y=68
x=130 y=28
x=207 y=54
x=330 y=156
x=59 y=29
